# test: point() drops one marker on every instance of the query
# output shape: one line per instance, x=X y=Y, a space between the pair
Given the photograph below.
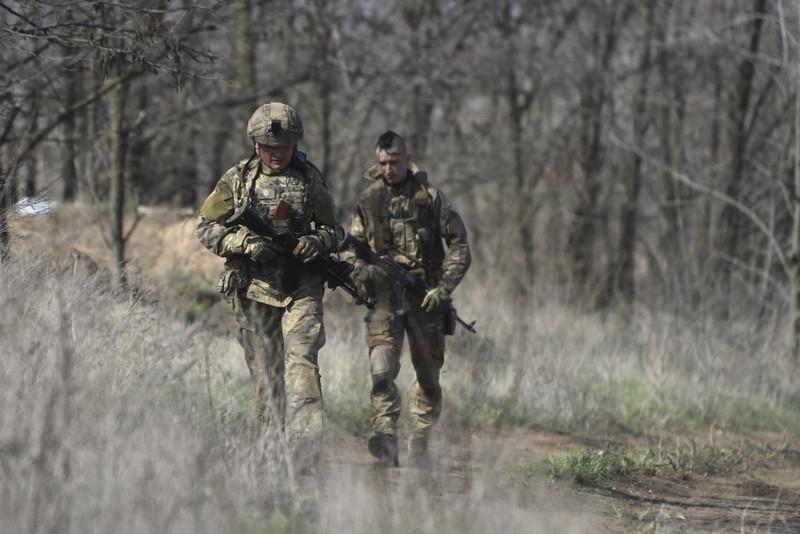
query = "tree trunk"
x=117 y=170
x=326 y=90
x=89 y=192
x=245 y=53
x=520 y=190
x=622 y=275
x=794 y=314
x=7 y=173
x=69 y=175
x=32 y=161
x=672 y=242
x=593 y=100
x=140 y=168
x=732 y=221
x=421 y=106
x=4 y=206
x=325 y=82
x=30 y=177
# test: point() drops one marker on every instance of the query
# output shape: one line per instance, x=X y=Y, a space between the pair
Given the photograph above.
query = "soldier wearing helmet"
x=276 y=301
x=403 y=215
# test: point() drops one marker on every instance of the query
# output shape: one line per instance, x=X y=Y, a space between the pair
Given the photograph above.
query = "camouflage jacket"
x=409 y=222
x=300 y=185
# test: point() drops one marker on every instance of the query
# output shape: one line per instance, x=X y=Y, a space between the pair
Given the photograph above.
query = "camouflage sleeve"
x=216 y=237
x=458 y=257
x=324 y=216
x=357 y=230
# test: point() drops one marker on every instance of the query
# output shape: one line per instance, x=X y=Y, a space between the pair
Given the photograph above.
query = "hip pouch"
x=449 y=321
x=228 y=283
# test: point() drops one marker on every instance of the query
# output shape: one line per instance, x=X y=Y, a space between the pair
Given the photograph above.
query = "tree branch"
x=719 y=195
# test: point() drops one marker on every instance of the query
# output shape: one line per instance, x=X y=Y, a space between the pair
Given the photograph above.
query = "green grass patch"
x=744 y=414
x=351 y=414
x=598 y=467
x=590 y=468
x=494 y=412
x=640 y=407
x=293 y=521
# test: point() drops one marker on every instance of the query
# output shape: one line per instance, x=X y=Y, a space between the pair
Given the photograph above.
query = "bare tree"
x=594 y=95
x=794 y=312
x=732 y=224
x=621 y=277
x=141 y=37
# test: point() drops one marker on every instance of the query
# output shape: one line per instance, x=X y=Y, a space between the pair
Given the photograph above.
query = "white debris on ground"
x=29 y=206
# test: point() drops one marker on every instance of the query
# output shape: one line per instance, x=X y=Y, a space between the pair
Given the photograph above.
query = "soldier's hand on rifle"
x=260 y=250
x=435 y=299
x=308 y=248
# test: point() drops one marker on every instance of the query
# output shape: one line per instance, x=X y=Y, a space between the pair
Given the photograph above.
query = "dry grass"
x=118 y=416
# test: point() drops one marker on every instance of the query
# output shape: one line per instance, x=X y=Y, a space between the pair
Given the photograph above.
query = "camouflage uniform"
x=409 y=221
x=278 y=303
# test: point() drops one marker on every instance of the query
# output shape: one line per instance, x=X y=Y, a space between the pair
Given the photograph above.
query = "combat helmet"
x=275 y=124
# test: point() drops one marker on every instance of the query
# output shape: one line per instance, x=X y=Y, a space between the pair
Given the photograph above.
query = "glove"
x=260 y=250
x=308 y=248
x=435 y=299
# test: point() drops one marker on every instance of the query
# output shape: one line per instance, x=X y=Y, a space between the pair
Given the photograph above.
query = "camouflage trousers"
x=281 y=347
x=387 y=325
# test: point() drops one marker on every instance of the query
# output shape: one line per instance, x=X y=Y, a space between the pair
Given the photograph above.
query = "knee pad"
x=381 y=383
x=380 y=361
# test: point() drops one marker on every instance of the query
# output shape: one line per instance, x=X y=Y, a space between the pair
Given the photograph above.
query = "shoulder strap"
x=310 y=175
x=242 y=185
x=421 y=179
x=375 y=207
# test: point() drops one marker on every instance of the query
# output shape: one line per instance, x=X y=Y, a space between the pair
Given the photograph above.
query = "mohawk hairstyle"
x=391 y=142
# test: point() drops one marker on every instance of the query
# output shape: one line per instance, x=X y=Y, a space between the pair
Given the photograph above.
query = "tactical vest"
x=263 y=192
x=271 y=284
x=407 y=222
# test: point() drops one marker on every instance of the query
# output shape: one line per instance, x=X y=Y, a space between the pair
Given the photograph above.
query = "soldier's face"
x=393 y=165
x=276 y=158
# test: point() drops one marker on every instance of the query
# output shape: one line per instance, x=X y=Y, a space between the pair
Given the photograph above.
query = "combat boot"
x=383 y=446
x=418 y=455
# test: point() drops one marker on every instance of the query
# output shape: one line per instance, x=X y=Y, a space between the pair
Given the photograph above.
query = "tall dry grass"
x=119 y=417
x=545 y=365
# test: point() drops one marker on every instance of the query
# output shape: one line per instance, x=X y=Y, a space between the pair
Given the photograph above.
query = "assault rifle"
x=336 y=273
x=400 y=276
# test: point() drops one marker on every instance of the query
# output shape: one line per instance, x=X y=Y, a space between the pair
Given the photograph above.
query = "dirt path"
x=467 y=489
x=474 y=485
x=767 y=500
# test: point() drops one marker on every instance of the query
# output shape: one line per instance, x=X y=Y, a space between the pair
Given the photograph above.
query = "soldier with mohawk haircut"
x=402 y=215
